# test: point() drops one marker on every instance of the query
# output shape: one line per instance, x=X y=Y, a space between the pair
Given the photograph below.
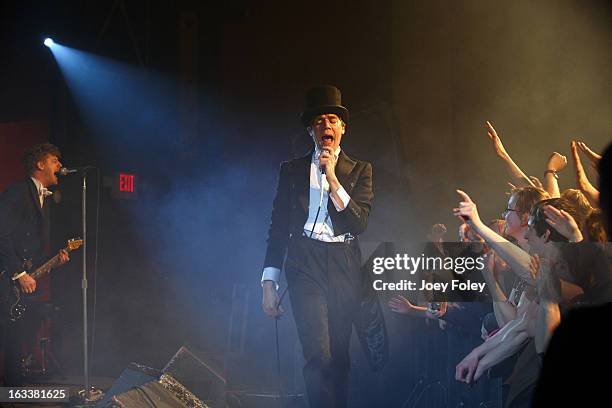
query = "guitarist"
x=25 y=235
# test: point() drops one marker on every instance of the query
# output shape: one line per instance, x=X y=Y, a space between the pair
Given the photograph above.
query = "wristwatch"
x=554 y=173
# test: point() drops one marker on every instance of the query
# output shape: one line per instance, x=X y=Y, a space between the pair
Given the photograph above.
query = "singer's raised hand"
x=328 y=161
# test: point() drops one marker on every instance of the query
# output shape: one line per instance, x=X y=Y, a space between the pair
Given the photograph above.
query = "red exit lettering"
x=126 y=183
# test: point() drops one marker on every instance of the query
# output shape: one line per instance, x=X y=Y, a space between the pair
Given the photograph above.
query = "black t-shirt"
x=590 y=268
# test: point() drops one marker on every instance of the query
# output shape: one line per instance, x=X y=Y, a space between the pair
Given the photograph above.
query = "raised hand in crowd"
x=536 y=182
x=516 y=258
x=591 y=193
x=563 y=223
x=556 y=163
x=402 y=305
x=590 y=154
x=518 y=176
x=469 y=236
x=498 y=146
x=467 y=209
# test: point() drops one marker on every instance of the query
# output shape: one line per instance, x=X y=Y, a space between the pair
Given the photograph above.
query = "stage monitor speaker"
x=165 y=393
x=133 y=376
x=201 y=373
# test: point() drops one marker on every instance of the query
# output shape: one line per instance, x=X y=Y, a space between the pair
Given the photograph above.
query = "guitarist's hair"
x=36 y=153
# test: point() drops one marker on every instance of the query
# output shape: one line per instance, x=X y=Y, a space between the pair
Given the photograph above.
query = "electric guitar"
x=16 y=303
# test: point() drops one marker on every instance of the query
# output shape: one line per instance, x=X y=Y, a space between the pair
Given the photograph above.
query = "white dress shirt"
x=43 y=192
x=316 y=227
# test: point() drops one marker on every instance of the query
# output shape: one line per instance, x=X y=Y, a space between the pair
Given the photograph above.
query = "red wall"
x=14 y=138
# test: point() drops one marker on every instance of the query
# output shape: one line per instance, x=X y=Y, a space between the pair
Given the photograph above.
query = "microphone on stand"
x=64 y=171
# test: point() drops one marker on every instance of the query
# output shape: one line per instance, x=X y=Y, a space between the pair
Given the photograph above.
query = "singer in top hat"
x=322 y=204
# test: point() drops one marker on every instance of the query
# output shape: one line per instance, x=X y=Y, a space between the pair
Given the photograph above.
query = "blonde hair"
x=527 y=197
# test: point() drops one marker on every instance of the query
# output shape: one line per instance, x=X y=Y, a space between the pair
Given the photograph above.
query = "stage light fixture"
x=48 y=42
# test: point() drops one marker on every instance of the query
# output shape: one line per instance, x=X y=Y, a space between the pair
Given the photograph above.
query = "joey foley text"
x=404 y=263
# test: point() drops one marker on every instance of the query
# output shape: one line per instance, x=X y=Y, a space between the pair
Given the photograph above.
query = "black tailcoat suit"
x=324 y=279
x=24 y=234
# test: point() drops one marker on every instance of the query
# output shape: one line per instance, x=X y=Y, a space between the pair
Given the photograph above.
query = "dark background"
x=218 y=88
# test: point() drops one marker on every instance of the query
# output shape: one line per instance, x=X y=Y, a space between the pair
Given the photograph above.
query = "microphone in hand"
x=322 y=167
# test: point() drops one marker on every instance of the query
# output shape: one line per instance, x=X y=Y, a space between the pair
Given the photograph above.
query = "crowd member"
x=594 y=227
x=588 y=271
x=554 y=276
x=561 y=276
x=503 y=287
x=522 y=335
x=576 y=346
x=516 y=214
x=553 y=244
x=580 y=204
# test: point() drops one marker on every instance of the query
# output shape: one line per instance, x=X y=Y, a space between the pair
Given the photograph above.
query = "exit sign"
x=126 y=183
x=122 y=185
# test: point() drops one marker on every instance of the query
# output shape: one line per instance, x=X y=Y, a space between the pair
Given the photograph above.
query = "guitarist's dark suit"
x=328 y=291
x=24 y=234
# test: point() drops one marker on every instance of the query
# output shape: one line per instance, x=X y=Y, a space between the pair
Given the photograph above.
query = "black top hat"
x=323 y=99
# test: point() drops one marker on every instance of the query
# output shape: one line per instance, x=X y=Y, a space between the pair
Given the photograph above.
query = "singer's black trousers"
x=324 y=285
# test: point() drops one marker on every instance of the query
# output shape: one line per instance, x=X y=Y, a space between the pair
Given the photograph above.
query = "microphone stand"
x=88 y=394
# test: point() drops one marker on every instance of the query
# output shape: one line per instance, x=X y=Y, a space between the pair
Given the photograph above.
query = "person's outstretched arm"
x=514 y=256
x=584 y=185
x=556 y=162
x=518 y=176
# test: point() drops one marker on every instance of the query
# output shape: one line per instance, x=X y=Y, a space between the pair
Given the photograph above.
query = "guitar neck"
x=47 y=266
